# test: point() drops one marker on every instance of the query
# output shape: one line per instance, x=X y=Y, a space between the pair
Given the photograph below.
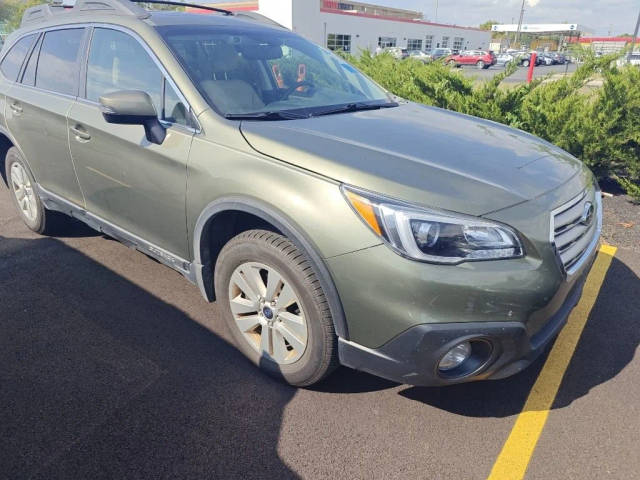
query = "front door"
x=133 y=184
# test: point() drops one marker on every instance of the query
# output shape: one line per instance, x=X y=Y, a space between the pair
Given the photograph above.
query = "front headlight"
x=433 y=236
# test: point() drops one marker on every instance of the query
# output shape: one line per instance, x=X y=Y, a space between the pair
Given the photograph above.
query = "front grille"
x=575 y=228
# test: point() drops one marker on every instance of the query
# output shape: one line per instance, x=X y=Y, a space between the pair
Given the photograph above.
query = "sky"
x=601 y=16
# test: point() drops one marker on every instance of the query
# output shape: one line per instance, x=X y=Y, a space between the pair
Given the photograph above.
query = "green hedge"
x=601 y=125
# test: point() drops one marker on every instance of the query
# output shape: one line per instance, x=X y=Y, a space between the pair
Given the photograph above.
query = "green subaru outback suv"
x=334 y=223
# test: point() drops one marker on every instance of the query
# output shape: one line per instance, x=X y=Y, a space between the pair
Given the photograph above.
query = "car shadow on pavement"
x=101 y=379
x=607 y=345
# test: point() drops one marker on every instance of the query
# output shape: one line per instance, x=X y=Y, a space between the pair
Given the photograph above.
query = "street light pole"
x=436 y=21
x=520 y=24
x=635 y=38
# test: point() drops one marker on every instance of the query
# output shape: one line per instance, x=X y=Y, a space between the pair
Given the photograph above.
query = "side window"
x=12 y=62
x=117 y=62
x=58 y=62
x=29 y=75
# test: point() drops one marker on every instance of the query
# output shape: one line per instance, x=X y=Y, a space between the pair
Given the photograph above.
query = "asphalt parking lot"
x=520 y=76
x=112 y=366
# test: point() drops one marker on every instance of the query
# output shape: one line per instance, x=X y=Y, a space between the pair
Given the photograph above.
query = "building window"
x=387 y=42
x=428 y=43
x=414 y=44
x=337 y=41
x=445 y=42
x=457 y=43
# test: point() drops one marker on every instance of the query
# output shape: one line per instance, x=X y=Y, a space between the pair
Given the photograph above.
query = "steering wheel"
x=304 y=83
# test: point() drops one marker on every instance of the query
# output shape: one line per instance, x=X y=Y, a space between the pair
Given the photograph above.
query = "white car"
x=504 y=58
x=634 y=59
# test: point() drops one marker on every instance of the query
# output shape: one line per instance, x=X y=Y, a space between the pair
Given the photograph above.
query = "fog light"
x=455 y=357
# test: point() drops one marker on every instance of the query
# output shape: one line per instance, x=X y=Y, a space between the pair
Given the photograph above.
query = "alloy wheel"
x=268 y=313
x=23 y=191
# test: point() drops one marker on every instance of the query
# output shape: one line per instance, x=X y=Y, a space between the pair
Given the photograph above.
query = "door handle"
x=16 y=108
x=80 y=133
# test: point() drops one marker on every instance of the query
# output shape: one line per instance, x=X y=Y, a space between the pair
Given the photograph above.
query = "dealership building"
x=355 y=26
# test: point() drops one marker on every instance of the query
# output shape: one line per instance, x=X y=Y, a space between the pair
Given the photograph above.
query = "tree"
x=11 y=12
x=488 y=24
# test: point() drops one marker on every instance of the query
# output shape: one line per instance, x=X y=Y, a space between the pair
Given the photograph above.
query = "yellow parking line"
x=516 y=453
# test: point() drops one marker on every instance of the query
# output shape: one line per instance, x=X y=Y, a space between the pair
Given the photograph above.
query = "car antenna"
x=182 y=4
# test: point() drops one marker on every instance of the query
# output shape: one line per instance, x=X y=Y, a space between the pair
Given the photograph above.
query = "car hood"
x=420 y=154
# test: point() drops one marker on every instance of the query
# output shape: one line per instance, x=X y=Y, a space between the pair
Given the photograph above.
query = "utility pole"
x=436 y=21
x=520 y=23
x=635 y=38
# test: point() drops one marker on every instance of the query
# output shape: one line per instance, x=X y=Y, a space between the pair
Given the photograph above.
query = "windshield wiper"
x=282 y=115
x=354 y=107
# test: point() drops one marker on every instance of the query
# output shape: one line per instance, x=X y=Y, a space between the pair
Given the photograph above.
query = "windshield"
x=249 y=70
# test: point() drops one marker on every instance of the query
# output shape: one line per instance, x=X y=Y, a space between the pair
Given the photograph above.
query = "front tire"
x=22 y=186
x=275 y=308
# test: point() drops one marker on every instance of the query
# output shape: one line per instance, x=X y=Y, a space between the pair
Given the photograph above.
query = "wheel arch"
x=6 y=142
x=215 y=217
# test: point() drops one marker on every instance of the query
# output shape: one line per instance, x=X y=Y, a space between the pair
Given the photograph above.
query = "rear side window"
x=58 y=64
x=12 y=62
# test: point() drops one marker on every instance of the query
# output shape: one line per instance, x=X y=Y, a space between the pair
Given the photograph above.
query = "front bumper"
x=413 y=356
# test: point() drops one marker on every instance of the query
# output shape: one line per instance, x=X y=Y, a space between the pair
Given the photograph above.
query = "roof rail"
x=257 y=17
x=186 y=4
x=44 y=12
x=41 y=13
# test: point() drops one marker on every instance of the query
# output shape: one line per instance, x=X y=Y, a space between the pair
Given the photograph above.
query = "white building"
x=354 y=26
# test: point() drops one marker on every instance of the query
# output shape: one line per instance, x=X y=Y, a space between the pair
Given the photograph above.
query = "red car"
x=478 y=58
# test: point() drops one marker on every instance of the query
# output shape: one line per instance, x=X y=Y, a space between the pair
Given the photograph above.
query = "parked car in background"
x=525 y=59
x=420 y=55
x=503 y=59
x=397 y=52
x=633 y=59
x=438 y=53
x=479 y=58
x=546 y=59
x=558 y=58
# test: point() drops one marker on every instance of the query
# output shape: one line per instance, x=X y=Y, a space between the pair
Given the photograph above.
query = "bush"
x=599 y=126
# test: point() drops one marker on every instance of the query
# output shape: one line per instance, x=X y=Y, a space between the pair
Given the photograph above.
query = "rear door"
x=37 y=106
x=11 y=61
x=136 y=185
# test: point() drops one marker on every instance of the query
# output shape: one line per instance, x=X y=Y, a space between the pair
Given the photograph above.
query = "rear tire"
x=275 y=308
x=526 y=63
x=25 y=197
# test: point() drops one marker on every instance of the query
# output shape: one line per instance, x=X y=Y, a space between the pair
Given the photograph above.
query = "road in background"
x=112 y=366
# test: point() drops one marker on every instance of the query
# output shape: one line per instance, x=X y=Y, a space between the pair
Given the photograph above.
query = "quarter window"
x=414 y=44
x=339 y=42
x=29 y=75
x=174 y=110
x=58 y=61
x=12 y=62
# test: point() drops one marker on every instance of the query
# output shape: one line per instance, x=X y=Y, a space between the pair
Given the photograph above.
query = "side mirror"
x=133 y=108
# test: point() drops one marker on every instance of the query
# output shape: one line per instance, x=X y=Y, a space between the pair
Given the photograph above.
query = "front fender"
x=203 y=264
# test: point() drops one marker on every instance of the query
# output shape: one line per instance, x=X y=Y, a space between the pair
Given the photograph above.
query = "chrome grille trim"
x=573 y=241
